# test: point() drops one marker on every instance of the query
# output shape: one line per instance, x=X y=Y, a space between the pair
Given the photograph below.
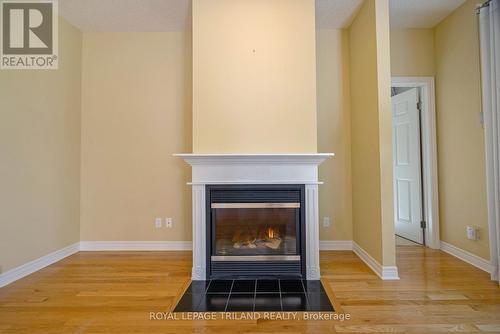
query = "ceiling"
x=420 y=13
x=126 y=15
x=336 y=14
x=174 y=15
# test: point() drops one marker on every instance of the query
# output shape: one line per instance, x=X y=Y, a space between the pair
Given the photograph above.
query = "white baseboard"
x=384 y=272
x=35 y=265
x=44 y=261
x=135 y=245
x=468 y=257
x=339 y=245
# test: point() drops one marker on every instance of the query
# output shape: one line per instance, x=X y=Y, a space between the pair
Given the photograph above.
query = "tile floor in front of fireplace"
x=255 y=296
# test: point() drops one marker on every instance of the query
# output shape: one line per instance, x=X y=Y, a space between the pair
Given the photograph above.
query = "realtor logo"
x=28 y=34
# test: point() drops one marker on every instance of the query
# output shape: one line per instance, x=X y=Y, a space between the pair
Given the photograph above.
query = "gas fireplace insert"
x=255 y=231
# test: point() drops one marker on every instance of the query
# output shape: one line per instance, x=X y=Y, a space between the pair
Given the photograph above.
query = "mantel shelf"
x=257 y=158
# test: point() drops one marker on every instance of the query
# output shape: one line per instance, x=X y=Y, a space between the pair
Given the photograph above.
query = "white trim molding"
x=312 y=232
x=199 y=270
x=255 y=159
x=489 y=30
x=135 y=245
x=468 y=257
x=335 y=245
x=429 y=154
x=35 y=265
x=254 y=168
x=384 y=272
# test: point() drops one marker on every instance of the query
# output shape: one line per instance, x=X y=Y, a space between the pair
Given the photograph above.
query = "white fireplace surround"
x=301 y=168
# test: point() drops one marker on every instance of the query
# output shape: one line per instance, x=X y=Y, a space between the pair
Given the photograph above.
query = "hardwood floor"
x=114 y=292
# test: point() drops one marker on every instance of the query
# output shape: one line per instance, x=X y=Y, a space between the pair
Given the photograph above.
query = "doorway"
x=416 y=215
x=407 y=169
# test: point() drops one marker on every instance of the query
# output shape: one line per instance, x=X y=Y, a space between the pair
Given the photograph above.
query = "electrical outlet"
x=168 y=222
x=158 y=222
x=472 y=232
x=326 y=221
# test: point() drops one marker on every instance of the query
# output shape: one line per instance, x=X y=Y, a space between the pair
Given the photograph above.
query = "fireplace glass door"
x=255 y=231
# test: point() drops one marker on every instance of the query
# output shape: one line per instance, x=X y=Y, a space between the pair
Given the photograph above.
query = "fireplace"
x=274 y=194
x=255 y=231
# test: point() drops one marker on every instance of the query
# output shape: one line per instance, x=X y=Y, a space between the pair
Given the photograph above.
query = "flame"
x=270 y=232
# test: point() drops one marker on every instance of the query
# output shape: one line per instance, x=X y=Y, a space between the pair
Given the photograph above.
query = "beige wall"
x=373 y=226
x=334 y=132
x=254 y=76
x=40 y=156
x=136 y=113
x=114 y=160
x=461 y=165
x=412 y=52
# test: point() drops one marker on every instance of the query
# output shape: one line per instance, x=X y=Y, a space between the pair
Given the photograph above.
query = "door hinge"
x=423 y=224
x=419 y=105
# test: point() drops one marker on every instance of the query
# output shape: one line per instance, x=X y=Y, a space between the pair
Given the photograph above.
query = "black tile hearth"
x=267 y=302
x=241 y=302
x=220 y=286
x=213 y=303
x=198 y=287
x=268 y=286
x=313 y=286
x=189 y=302
x=291 y=286
x=318 y=302
x=294 y=301
x=243 y=286
x=255 y=295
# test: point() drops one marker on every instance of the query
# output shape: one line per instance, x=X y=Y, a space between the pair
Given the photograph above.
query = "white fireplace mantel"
x=255 y=158
x=300 y=168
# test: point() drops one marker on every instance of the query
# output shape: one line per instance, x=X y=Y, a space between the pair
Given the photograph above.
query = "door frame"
x=429 y=154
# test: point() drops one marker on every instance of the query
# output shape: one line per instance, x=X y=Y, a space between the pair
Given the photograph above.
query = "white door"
x=406 y=161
